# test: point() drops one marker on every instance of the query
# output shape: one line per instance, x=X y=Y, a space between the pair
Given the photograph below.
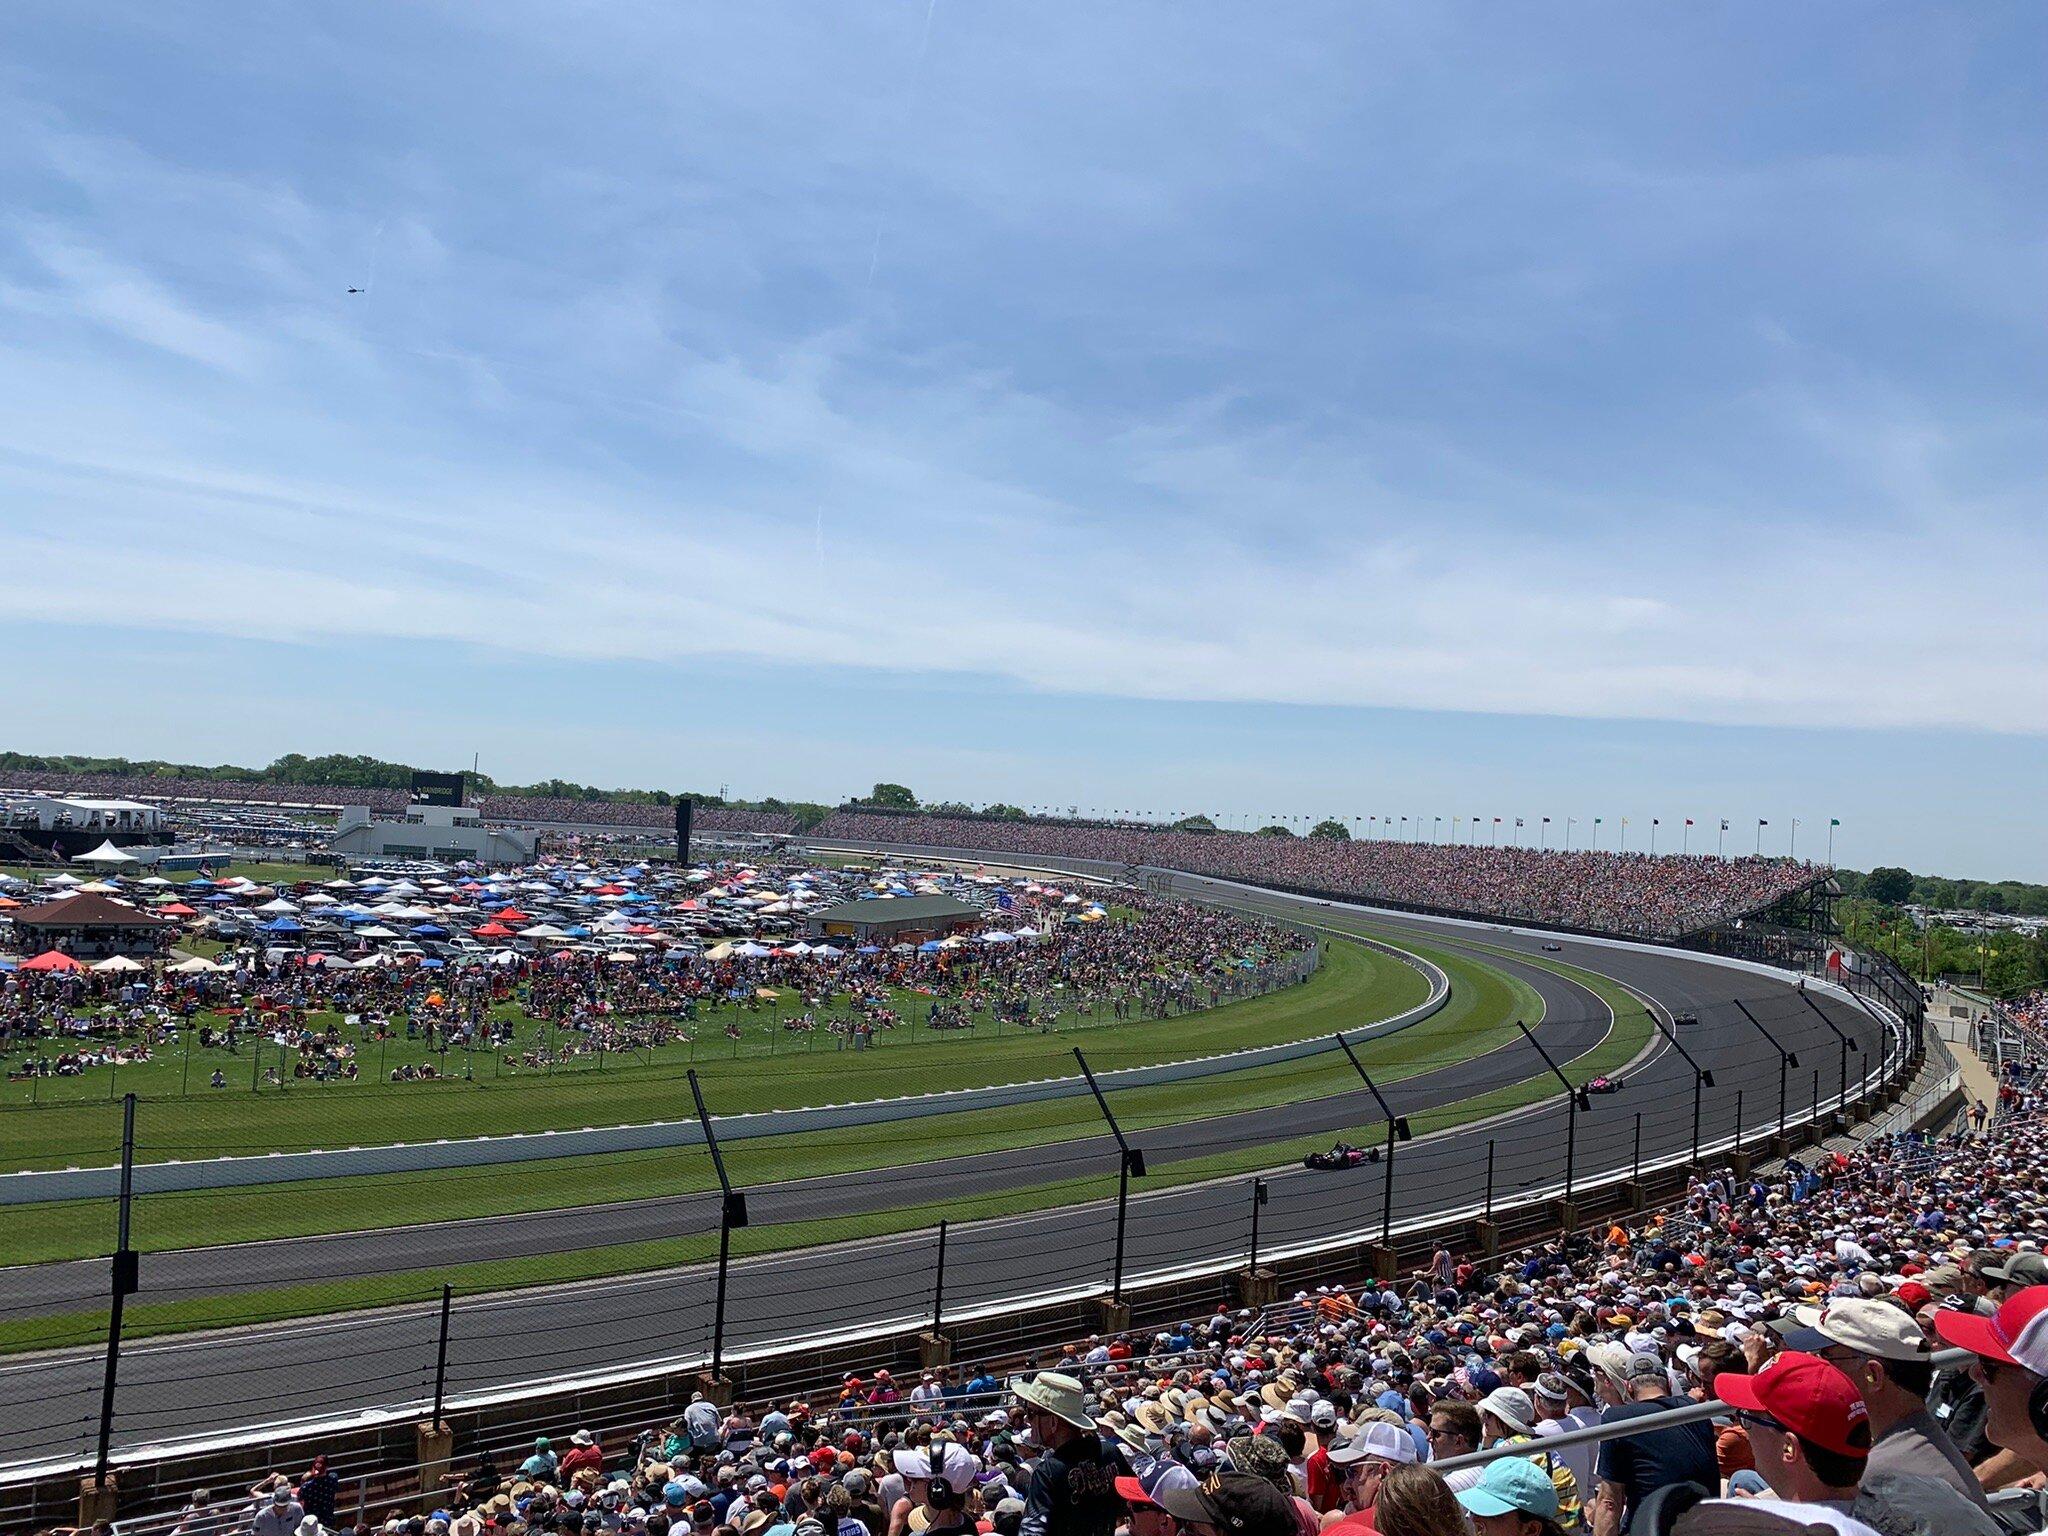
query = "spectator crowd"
x=1761 y=1355
x=1606 y=891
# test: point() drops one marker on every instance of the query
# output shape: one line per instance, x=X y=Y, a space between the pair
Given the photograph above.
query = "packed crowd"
x=1797 y=1313
x=1610 y=892
x=543 y=1001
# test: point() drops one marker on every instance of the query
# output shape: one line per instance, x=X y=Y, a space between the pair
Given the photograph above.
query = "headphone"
x=939 y=1494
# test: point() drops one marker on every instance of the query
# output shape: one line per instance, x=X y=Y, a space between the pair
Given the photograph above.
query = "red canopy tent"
x=52 y=960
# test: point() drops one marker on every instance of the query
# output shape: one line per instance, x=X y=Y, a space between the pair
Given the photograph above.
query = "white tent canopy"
x=106 y=854
x=118 y=963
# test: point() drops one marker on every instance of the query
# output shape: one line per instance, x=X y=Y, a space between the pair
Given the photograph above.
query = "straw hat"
x=1055 y=1393
x=1154 y=1416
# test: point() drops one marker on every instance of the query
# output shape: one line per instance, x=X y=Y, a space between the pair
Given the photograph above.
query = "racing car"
x=1342 y=1155
x=1602 y=1085
x=1553 y=948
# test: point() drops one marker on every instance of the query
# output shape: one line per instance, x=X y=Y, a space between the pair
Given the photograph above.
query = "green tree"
x=1194 y=824
x=894 y=796
x=1275 y=830
x=1006 y=812
x=1888 y=884
x=1335 y=831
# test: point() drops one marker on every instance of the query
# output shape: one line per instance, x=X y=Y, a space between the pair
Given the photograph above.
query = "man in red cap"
x=1810 y=1429
x=2011 y=1347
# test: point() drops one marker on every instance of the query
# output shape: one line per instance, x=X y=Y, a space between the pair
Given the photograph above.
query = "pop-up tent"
x=106 y=854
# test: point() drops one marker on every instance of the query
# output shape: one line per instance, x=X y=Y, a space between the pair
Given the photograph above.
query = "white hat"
x=1387 y=1442
x=1511 y=1406
x=1874 y=1328
x=1055 y=1393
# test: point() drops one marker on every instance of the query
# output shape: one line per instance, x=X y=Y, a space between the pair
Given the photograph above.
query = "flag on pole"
x=1653 y=821
x=1546 y=821
x=1518 y=821
x=1760 y=821
x=1724 y=823
x=1688 y=821
x=1834 y=821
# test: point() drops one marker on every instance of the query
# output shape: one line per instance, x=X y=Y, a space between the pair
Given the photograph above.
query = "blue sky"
x=1592 y=410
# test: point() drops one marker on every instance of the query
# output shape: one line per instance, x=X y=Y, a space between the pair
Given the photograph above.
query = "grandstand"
x=1661 y=897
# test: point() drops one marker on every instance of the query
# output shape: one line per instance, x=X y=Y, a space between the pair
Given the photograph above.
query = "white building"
x=104 y=818
x=444 y=833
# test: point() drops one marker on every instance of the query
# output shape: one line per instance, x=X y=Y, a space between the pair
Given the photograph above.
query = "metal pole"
x=1489 y=1178
x=1841 y=1035
x=1397 y=1129
x=125 y=1275
x=1129 y=1161
x=1572 y=1096
x=939 y=1279
x=441 y=1356
x=1258 y=1199
x=1786 y=1060
x=732 y=1212
x=1701 y=1079
x=1636 y=1166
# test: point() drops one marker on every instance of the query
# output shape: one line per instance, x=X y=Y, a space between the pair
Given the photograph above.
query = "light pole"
x=1846 y=1043
x=1129 y=1161
x=1786 y=1060
x=732 y=1212
x=1702 y=1080
x=1575 y=1098
x=1397 y=1130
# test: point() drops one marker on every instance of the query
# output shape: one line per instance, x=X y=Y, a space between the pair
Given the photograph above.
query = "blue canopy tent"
x=284 y=925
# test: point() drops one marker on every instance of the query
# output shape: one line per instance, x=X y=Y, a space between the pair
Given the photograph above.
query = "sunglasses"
x=1750 y=1420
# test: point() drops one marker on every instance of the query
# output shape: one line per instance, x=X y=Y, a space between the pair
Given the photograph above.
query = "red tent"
x=513 y=915
x=493 y=931
x=176 y=909
x=52 y=960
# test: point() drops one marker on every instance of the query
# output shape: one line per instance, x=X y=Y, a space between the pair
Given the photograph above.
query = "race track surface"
x=177 y=1388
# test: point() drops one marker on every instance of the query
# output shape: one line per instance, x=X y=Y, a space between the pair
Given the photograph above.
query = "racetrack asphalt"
x=176 y=1388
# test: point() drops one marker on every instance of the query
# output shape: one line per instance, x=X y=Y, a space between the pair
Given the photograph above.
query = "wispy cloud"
x=1424 y=367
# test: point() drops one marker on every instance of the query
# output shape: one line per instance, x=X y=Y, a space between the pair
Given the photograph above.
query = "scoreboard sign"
x=437 y=788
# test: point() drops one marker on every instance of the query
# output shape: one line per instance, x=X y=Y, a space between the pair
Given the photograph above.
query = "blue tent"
x=928 y=946
x=869 y=949
x=577 y=932
x=429 y=931
x=431 y=965
x=284 y=925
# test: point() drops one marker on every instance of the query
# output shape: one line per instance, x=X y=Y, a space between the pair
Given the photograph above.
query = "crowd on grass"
x=1606 y=891
x=1799 y=1311
x=1037 y=958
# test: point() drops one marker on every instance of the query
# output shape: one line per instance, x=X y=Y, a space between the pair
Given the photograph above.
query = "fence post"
x=732 y=1212
x=125 y=1276
x=939 y=1280
x=441 y=1355
x=1636 y=1165
x=1489 y=1178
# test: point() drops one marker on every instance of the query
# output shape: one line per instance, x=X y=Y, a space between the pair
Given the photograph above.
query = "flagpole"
x=1831 y=840
x=1792 y=847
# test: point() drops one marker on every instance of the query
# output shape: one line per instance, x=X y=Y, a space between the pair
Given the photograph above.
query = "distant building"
x=62 y=826
x=88 y=926
x=893 y=919
x=445 y=833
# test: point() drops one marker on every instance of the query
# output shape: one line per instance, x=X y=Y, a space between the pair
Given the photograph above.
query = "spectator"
x=1811 y=1433
x=1886 y=1354
x=1631 y=1468
x=1073 y=1483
